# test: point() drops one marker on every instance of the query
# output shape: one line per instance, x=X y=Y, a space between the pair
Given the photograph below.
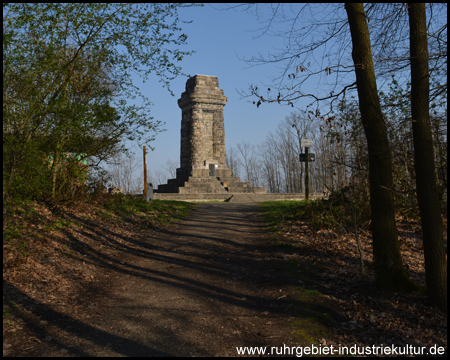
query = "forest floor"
x=86 y=282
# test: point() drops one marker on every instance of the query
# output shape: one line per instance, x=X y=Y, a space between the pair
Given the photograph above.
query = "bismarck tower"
x=202 y=128
x=203 y=166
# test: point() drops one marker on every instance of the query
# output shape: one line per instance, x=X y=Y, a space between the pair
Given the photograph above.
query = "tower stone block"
x=203 y=166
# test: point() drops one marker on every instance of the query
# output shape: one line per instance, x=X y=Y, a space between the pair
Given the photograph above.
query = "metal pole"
x=306 y=176
x=301 y=165
x=145 y=175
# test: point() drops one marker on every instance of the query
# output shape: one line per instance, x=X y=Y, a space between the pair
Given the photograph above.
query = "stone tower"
x=203 y=166
x=202 y=127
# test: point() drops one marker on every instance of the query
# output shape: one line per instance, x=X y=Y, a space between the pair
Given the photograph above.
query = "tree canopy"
x=67 y=76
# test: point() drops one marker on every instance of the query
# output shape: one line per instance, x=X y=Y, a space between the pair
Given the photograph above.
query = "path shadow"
x=78 y=329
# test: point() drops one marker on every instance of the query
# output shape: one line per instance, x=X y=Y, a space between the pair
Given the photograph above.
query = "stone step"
x=202 y=186
x=243 y=198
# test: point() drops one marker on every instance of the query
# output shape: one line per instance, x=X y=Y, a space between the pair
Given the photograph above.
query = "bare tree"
x=271 y=165
x=249 y=163
x=303 y=125
x=123 y=172
x=427 y=193
x=171 y=168
x=390 y=273
x=232 y=161
x=337 y=70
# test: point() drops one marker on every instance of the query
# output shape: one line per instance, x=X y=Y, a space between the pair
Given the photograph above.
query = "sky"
x=221 y=38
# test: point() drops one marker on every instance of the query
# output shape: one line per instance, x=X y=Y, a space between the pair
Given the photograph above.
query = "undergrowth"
x=23 y=218
x=341 y=212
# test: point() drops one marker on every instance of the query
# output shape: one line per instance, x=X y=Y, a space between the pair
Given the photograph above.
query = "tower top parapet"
x=202 y=89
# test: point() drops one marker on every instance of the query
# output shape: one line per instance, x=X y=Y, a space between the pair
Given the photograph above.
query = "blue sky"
x=220 y=39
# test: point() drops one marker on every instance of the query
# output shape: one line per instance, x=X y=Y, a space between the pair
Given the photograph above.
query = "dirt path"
x=200 y=287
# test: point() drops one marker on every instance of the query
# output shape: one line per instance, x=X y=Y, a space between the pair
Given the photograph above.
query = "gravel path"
x=200 y=287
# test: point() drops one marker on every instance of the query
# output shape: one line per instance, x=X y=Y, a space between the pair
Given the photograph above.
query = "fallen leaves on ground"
x=53 y=262
x=373 y=317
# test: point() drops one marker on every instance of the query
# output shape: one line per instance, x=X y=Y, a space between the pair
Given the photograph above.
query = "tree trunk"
x=427 y=193
x=390 y=273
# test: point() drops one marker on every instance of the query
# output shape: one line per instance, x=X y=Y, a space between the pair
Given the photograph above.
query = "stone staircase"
x=202 y=186
x=208 y=185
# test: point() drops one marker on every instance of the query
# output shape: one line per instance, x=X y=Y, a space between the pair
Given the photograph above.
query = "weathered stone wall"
x=203 y=168
x=202 y=125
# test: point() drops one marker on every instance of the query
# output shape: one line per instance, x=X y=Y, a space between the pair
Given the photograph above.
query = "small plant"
x=310 y=292
x=11 y=233
x=22 y=247
x=57 y=224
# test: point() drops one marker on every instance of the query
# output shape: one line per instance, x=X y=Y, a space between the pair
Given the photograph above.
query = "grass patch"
x=11 y=233
x=313 y=315
x=308 y=330
x=308 y=292
x=149 y=213
x=320 y=214
x=25 y=224
x=58 y=224
x=277 y=211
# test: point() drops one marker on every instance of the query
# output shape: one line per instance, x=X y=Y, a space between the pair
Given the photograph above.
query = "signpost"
x=145 y=175
x=311 y=157
x=306 y=143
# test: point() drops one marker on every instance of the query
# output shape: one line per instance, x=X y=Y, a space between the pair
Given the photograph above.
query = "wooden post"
x=306 y=176
x=145 y=175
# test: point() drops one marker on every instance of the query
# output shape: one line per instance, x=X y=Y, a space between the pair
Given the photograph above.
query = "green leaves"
x=67 y=71
x=121 y=38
